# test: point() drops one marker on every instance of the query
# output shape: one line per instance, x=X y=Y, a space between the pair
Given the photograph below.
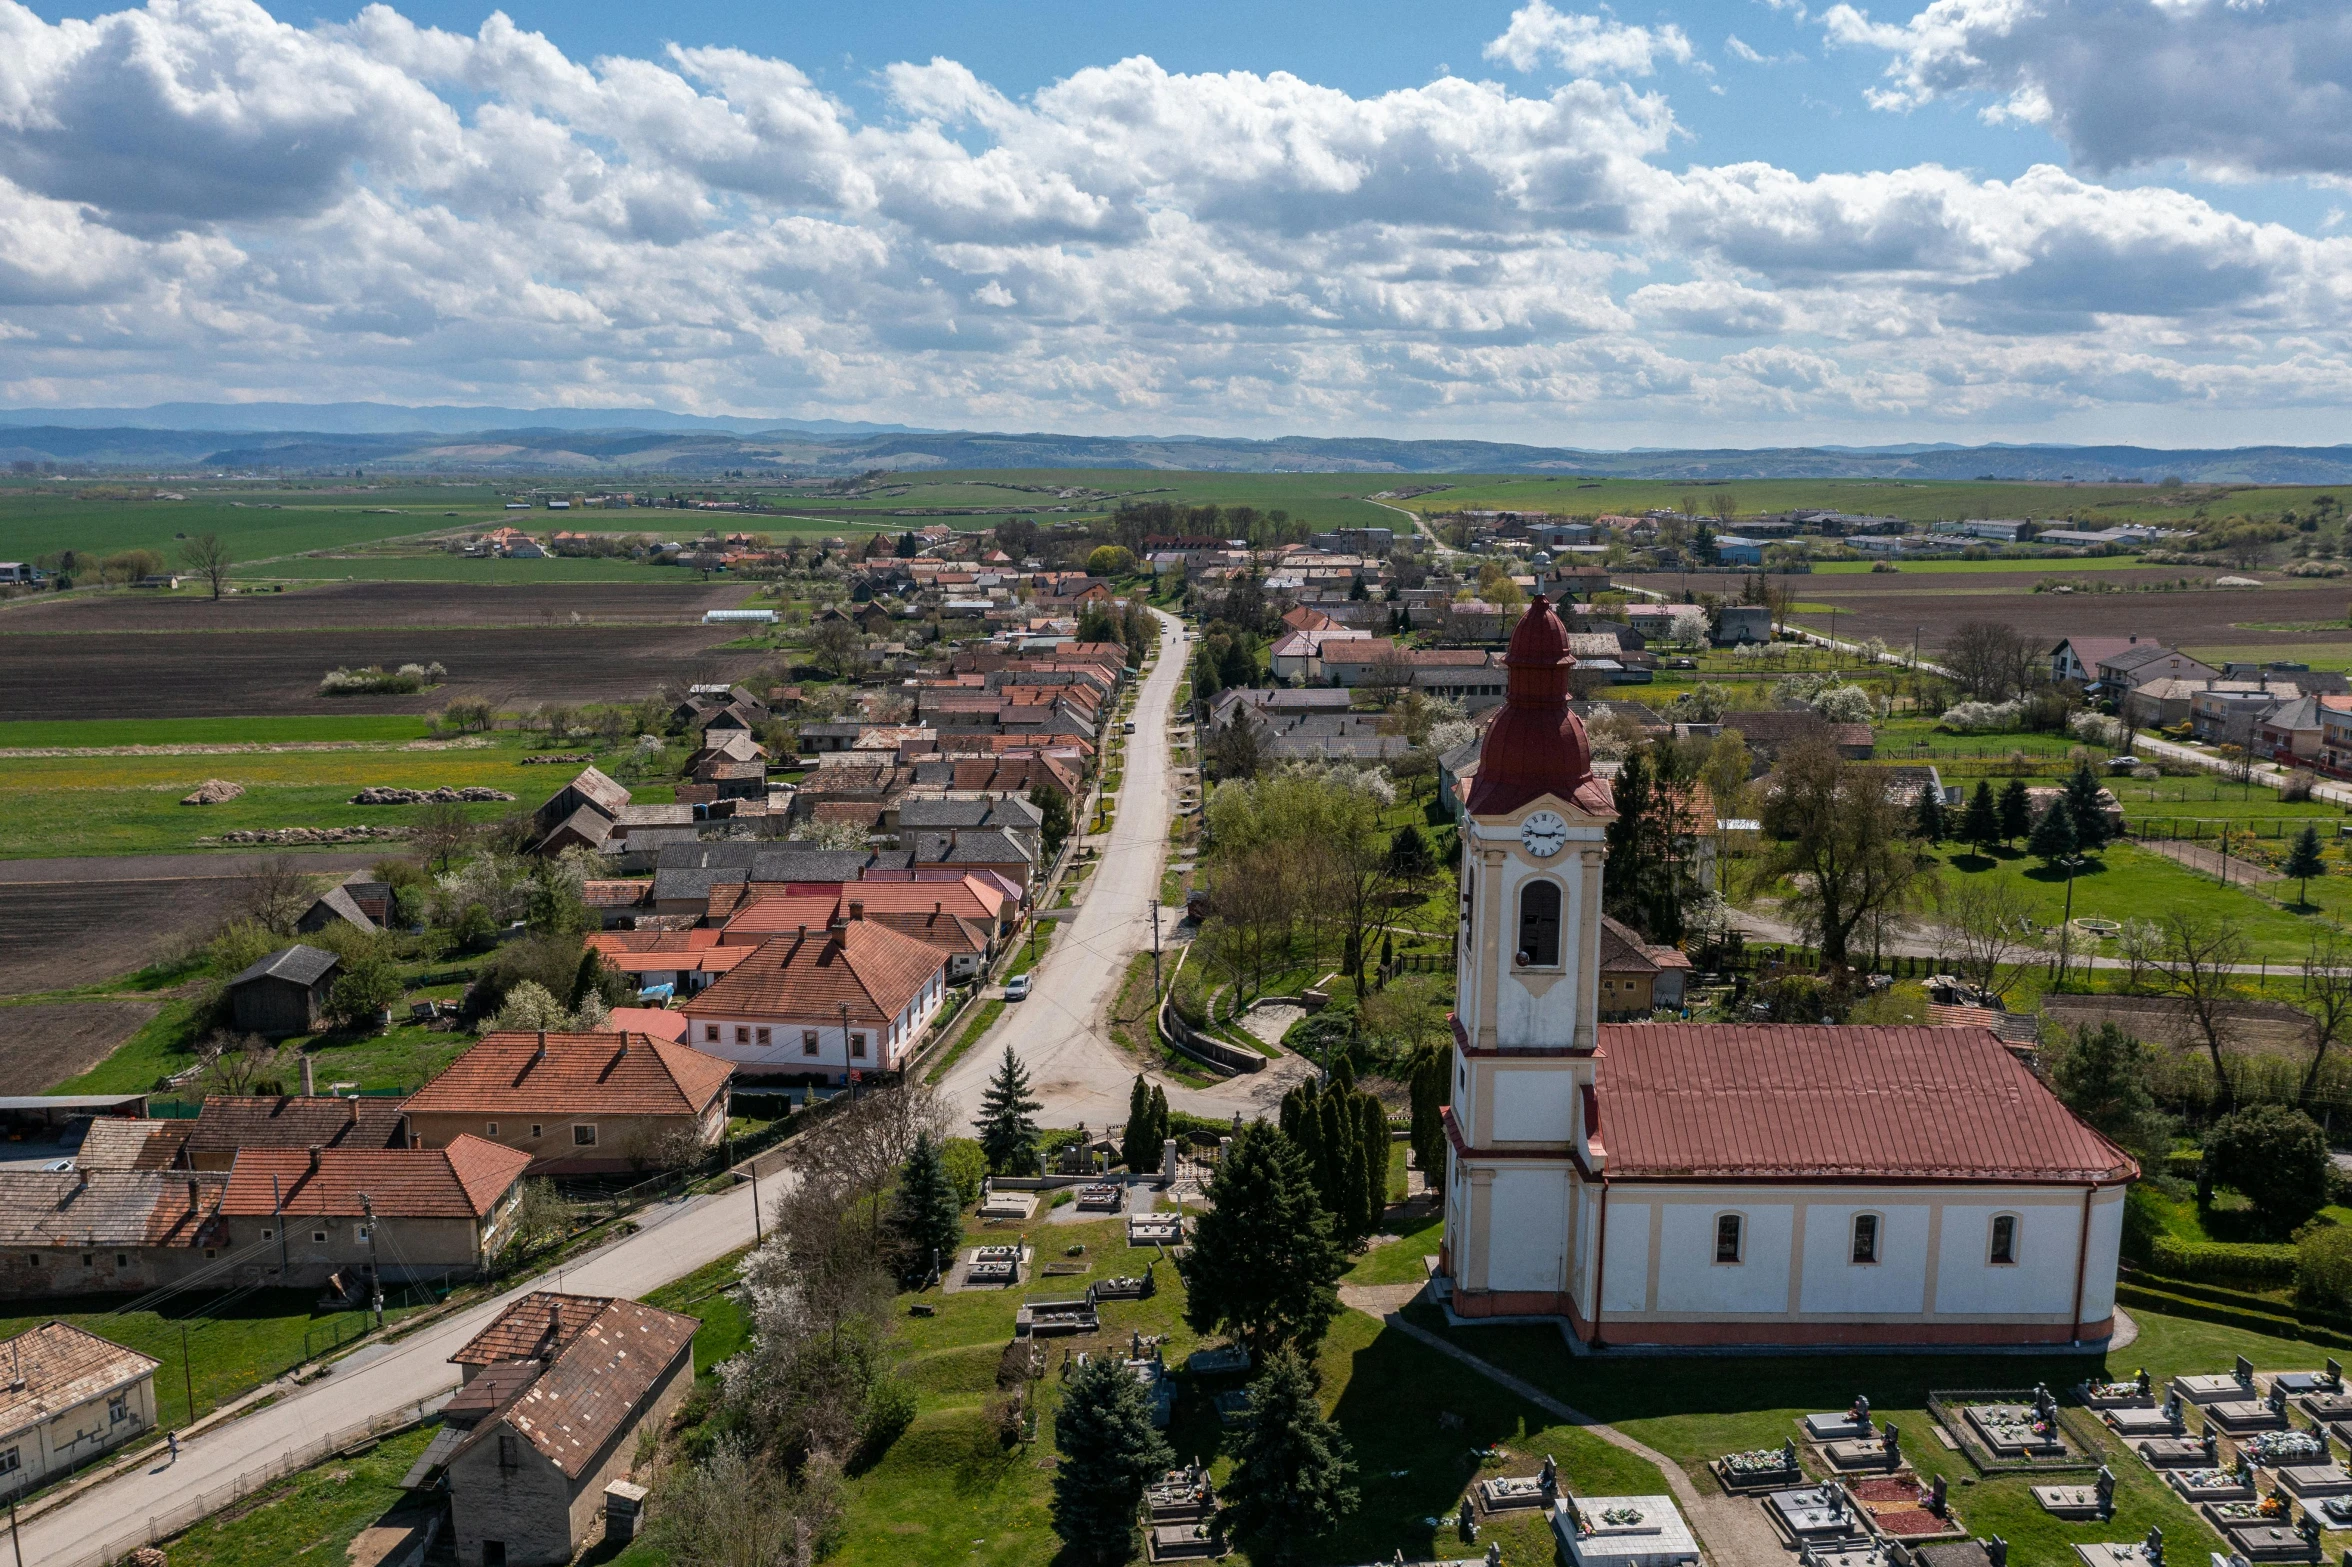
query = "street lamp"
x=1155 y=914
x=2073 y=863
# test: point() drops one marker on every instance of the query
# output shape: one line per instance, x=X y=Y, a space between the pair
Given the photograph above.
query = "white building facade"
x=1675 y=1184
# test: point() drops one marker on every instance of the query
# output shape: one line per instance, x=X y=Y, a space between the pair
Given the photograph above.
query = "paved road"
x=1059 y=1031
x=2268 y=774
x=675 y=1239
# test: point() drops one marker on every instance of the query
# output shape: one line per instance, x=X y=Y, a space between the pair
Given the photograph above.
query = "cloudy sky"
x=1741 y=222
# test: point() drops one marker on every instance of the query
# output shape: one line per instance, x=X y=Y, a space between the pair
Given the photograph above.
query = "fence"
x=163 y=1525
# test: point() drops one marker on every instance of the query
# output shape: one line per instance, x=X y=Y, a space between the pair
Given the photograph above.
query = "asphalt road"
x=1059 y=1033
x=674 y=1239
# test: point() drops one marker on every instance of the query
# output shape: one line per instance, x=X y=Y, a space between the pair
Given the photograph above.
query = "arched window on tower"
x=1539 y=925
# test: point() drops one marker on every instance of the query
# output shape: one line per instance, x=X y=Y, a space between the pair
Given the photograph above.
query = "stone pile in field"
x=213 y=791
x=293 y=835
x=385 y=796
x=566 y=760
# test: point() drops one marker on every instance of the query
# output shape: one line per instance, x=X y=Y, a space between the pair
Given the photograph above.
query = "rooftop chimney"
x=192 y=1197
x=81 y=1180
x=540 y=1054
x=314 y=1158
x=857 y=908
x=309 y=1078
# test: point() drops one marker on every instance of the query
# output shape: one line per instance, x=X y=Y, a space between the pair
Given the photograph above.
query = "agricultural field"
x=675 y=600
x=256 y=523
x=1912 y=500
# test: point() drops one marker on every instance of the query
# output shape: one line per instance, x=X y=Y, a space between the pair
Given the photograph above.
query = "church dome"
x=1536 y=746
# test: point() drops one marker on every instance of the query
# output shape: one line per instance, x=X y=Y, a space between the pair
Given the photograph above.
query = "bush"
x=2277 y=1157
x=2323 y=1268
x=2221 y=1262
x=966 y=1166
x=375 y=679
x=1981 y=718
x=364 y=991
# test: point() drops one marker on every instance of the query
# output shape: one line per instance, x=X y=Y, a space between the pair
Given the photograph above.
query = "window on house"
x=211 y=1252
x=88 y=1260
x=318 y=1235
x=1727 y=1237
x=1539 y=925
x=34 y=1260
x=584 y=1136
x=763 y=1036
x=2004 y=1253
x=1866 y=1237
x=535 y=1125
x=808 y=1041
x=269 y=1235
x=491 y=1127
x=118 y=1409
x=11 y=1460
x=494 y=1551
x=122 y=1259
x=710 y=1033
x=510 y=1456
x=360 y=1234
x=742 y=1035
x=857 y=1047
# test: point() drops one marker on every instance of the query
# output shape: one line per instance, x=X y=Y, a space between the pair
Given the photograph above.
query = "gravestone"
x=2308 y=1482
x=1886 y=1452
x=2139 y=1393
x=1813 y=1514
x=2235 y=1386
x=2079 y=1501
x=2018 y=1430
x=2181 y=1452
x=1851 y=1426
x=1759 y=1469
x=1508 y=1493
x=2215 y=1485
x=2139 y=1420
x=1168 y=1162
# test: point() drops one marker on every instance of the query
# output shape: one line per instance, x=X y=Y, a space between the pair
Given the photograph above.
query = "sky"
x=1704 y=223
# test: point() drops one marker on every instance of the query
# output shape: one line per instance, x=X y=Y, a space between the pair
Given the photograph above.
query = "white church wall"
x=1835 y=1283
x=2106 y=1248
x=1532 y=1106
x=1689 y=1277
x=2039 y=1283
x=1530 y=1207
x=1625 y=1269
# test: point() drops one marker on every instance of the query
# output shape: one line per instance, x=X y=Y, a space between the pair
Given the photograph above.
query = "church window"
x=2004 y=1253
x=1727 y=1237
x=1539 y=925
x=1866 y=1237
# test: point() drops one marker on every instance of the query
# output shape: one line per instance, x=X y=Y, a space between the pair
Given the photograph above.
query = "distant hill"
x=620 y=444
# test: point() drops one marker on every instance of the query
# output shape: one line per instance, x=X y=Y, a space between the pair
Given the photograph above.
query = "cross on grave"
x=1935 y=1497
x=1996 y=1551
x=1466 y=1523
x=1550 y=1475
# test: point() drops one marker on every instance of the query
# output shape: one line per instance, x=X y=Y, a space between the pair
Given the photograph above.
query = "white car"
x=1017 y=988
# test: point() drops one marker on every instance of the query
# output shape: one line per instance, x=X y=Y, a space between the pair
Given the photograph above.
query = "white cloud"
x=197 y=200
x=2227 y=88
x=1740 y=48
x=1585 y=45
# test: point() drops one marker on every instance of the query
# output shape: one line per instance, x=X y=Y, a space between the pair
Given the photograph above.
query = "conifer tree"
x=1981 y=826
x=2053 y=838
x=1927 y=816
x=2016 y=812
x=2304 y=862
x=926 y=1215
x=1137 y=1147
x=1264 y=1265
x=1109 y=1453
x=1333 y=1133
x=1432 y=1080
x=1291 y=1470
x=1161 y=1124
x=1374 y=1123
x=2082 y=803
x=1409 y=858
x=1008 y=1129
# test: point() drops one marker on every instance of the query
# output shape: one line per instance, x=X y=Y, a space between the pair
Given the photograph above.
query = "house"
x=578 y=1104
x=114 y=1143
x=1637 y=977
x=70 y=1396
x=86 y=1232
x=312 y=1217
x=2231 y=712
x=556 y=1393
x=824 y=1002
x=226 y=1123
x=684 y=960
x=335 y=906
x=1742 y=623
x=1470 y=676
x=1768 y=733
x=1671 y=1184
x=284 y=993
x=2335 y=735
x=2139 y=662
x=1023 y=822
x=15 y=573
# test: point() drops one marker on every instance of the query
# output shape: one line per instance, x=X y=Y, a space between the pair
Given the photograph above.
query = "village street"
x=1059 y=1031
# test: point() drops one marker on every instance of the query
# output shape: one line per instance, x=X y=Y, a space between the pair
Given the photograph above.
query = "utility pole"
x=1155 y=912
x=2066 y=922
x=12 y=1535
x=187 y=1377
x=367 y=1210
x=759 y=1229
x=278 y=1218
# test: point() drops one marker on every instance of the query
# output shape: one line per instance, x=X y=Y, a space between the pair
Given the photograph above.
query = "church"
x=1692 y=1185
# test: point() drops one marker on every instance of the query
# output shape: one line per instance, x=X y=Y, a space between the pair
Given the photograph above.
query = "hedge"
x=2220 y=1262
x=2226 y=1316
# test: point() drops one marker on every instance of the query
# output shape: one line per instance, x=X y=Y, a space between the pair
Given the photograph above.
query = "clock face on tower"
x=1543 y=833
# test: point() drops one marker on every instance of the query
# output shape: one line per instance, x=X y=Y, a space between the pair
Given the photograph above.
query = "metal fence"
x=163 y=1525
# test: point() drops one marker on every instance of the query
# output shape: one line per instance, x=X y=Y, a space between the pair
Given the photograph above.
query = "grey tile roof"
x=303 y=965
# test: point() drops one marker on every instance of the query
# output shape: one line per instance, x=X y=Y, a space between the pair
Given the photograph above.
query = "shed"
x=284 y=993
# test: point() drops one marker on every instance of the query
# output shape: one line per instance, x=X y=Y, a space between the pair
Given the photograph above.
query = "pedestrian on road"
x=171 y=1439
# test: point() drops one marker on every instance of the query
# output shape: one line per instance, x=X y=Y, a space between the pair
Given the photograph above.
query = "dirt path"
x=1731 y=1528
x=2197 y=857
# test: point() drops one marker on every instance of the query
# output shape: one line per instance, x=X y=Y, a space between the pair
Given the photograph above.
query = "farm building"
x=71 y=1396
x=229 y=1122
x=309 y=1217
x=80 y=1232
x=284 y=993
x=556 y=1391
x=578 y=1104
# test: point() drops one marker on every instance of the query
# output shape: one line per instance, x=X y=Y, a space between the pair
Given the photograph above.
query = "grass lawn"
x=234 y=1341
x=33 y=524
x=400 y=1057
x=2128 y=882
x=707 y=1295
x=1416 y=1233
x=92 y=732
x=981 y=1021
x=1038 y=943
x=308 y=1519
x=1695 y=1409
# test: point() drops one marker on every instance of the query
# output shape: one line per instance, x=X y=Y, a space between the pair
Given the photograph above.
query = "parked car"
x=1017 y=988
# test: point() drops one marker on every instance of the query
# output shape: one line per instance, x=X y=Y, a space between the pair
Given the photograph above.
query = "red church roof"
x=1766 y=1101
x=1536 y=745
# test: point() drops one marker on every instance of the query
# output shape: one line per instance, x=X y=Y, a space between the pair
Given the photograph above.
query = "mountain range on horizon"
x=624 y=443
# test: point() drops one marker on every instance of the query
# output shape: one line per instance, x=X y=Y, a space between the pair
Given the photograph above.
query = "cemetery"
x=2096 y=1500
x=1503 y=1493
x=1101 y=1196
x=2137 y=1393
x=2249 y=1416
x=1860 y=1454
x=2216 y=1388
x=2309 y=1384
x=2135 y=1553
x=2135 y=1420
x=2273 y=1449
x=1048 y=1318
x=1759 y=1470
x=1623 y=1531
x=1899 y=1507
x=1156 y=1229
x=990 y=1267
x=2307 y=1483
x=1129 y=1286
x=2015 y=1430
x=1813 y=1515
x=2215 y=1485
x=2180 y=1452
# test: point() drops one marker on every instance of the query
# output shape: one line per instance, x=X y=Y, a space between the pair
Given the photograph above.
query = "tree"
x=834 y=645
x=2016 y=812
x=2304 y=862
x=1264 y=1265
x=1985 y=920
x=1432 y=1078
x=1981 y=825
x=1239 y=749
x=208 y=557
x=1652 y=868
x=2087 y=809
x=1139 y=1148
x=1053 y=811
x=364 y=991
x=441 y=833
x=1989 y=658
x=1291 y=1468
x=1161 y=1124
x=925 y=1215
x=1927 y=816
x=2197 y=963
x=734 y=1509
x=1110 y=560
x=2327 y=996
x=275 y=894
x=1388 y=675
x=1840 y=835
x=1109 y=1453
x=2277 y=1157
x=1008 y=1130
x=2053 y=839
x=1372 y=1136
x=2101 y=1074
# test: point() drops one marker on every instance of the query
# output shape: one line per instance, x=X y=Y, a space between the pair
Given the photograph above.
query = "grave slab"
x=1623 y=1531
x=1761 y=1469
x=1146 y=1229
x=1812 y=1514
x=2016 y=1430
x=2299 y=1384
x=2178 y=1452
x=2245 y=1417
x=1851 y=1426
x=1510 y=1493
x=2309 y=1481
x=1862 y=1457
x=2139 y=1393
x=2327 y=1408
x=2213 y=1485
x=2220 y=1387
x=1843 y=1556
x=2130 y=1554
x=2333 y=1512
x=1177 y=1542
x=2079 y=1501
x=1008 y=1205
x=2273 y=1543
x=2275 y=1448
x=2134 y=1421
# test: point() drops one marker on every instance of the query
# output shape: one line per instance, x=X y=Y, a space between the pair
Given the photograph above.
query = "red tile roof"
x=538 y=1324
x=57 y=1367
x=1764 y=1101
x=873 y=969
x=462 y=1181
x=576 y=1074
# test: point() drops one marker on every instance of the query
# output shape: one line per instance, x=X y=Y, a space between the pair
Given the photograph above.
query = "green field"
x=2129 y=883
x=78 y=733
x=269 y=523
x=441 y=566
x=1327 y=500
x=1913 y=500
